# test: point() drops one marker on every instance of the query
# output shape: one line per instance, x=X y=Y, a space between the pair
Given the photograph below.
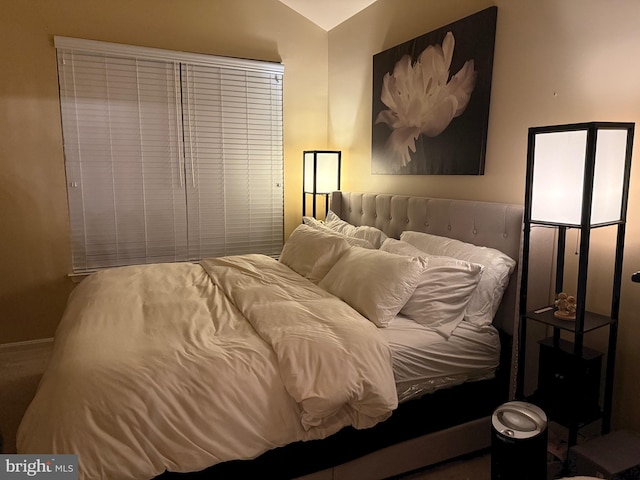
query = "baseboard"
x=4 y=347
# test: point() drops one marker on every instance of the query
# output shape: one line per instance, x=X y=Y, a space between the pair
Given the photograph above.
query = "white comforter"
x=166 y=367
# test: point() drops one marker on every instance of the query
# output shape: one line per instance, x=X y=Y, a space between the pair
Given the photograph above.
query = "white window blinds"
x=169 y=156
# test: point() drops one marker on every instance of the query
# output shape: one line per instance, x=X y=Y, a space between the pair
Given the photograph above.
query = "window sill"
x=78 y=277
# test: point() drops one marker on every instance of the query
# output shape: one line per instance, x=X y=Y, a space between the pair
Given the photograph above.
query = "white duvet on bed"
x=163 y=367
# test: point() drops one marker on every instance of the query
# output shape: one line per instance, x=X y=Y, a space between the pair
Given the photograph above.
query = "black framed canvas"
x=431 y=100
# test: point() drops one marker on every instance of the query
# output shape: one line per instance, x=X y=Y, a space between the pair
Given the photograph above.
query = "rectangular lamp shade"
x=321 y=171
x=574 y=168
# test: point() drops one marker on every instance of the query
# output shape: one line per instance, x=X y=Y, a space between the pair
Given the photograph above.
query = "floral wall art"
x=431 y=100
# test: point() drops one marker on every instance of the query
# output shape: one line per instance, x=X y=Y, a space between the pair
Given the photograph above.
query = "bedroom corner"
x=553 y=64
x=36 y=258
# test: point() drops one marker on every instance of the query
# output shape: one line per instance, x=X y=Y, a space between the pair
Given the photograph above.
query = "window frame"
x=193 y=60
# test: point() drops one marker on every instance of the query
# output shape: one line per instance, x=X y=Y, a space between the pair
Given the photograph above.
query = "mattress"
x=424 y=361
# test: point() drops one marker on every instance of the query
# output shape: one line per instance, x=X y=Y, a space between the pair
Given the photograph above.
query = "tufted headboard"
x=494 y=225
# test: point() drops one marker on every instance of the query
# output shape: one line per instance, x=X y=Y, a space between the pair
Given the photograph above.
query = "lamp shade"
x=579 y=174
x=320 y=176
x=321 y=171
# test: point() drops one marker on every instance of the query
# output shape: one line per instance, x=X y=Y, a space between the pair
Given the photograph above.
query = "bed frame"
x=417 y=434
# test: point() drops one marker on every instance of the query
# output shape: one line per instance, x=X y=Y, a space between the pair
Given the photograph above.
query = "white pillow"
x=353 y=241
x=370 y=234
x=314 y=222
x=377 y=284
x=495 y=278
x=311 y=253
x=444 y=290
x=334 y=222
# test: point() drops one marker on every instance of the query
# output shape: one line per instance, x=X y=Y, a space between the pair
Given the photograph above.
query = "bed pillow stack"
x=375 y=283
x=311 y=252
x=372 y=235
x=444 y=290
x=353 y=241
x=498 y=267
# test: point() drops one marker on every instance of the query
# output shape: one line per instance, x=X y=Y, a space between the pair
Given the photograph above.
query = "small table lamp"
x=321 y=176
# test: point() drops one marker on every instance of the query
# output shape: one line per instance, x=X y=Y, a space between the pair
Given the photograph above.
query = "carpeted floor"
x=21 y=368
x=474 y=467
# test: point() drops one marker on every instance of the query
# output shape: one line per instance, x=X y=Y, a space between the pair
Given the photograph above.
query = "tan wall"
x=555 y=62
x=35 y=252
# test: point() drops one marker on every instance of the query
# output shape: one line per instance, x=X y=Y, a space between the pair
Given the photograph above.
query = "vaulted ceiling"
x=328 y=13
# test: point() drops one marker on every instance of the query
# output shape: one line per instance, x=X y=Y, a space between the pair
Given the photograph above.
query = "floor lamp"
x=321 y=176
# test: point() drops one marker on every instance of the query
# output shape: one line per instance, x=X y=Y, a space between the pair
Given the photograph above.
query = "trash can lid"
x=519 y=420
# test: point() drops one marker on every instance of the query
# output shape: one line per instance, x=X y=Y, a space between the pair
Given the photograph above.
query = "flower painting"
x=431 y=100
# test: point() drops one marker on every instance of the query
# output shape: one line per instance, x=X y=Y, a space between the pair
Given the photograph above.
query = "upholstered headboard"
x=494 y=225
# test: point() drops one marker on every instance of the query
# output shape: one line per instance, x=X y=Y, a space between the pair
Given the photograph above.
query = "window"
x=169 y=156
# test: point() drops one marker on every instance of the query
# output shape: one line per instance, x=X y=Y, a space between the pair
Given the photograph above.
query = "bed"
x=180 y=368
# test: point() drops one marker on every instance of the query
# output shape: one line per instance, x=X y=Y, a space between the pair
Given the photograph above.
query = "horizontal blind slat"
x=133 y=197
x=227 y=114
x=117 y=216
